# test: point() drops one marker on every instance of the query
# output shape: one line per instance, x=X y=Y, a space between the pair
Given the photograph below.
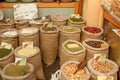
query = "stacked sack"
x=115 y=6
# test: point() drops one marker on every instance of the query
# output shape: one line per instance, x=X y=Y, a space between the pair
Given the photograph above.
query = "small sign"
x=6 y=45
x=105 y=78
x=27 y=44
x=100 y=57
x=75 y=16
x=72 y=45
x=25 y=11
x=20 y=61
x=49 y=24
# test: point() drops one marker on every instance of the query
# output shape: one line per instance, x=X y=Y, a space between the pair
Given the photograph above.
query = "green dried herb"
x=17 y=70
x=76 y=19
x=70 y=29
x=4 y=52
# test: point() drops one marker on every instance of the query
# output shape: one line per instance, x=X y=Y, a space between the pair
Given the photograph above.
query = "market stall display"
x=9 y=36
x=102 y=68
x=95 y=46
x=29 y=34
x=18 y=72
x=91 y=33
x=49 y=43
x=68 y=32
x=72 y=50
x=33 y=56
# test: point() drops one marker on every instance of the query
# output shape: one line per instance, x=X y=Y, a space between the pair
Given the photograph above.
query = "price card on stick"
x=27 y=44
x=20 y=61
x=25 y=11
x=100 y=57
x=6 y=45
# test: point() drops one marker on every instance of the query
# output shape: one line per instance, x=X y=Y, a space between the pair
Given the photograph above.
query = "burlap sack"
x=66 y=1
x=91 y=51
x=26 y=37
x=45 y=0
x=13 y=39
x=86 y=35
x=76 y=24
x=28 y=76
x=95 y=73
x=19 y=24
x=67 y=55
x=7 y=59
x=65 y=77
x=0 y=74
x=49 y=45
x=7 y=25
x=35 y=60
x=65 y=35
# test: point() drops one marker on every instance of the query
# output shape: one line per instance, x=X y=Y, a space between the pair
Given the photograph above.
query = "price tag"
x=105 y=78
x=6 y=45
x=27 y=44
x=100 y=57
x=49 y=24
x=25 y=11
x=75 y=16
x=20 y=61
x=72 y=45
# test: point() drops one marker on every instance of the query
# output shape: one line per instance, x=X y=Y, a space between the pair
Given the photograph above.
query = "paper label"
x=105 y=78
x=100 y=57
x=25 y=11
x=20 y=61
x=117 y=31
x=75 y=16
x=49 y=24
x=72 y=45
x=6 y=45
x=27 y=44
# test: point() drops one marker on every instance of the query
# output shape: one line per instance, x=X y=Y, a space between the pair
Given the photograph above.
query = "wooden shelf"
x=74 y=5
x=111 y=20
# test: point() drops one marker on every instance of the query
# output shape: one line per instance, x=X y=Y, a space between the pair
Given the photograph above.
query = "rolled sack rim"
x=17 y=78
x=96 y=73
x=96 y=49
x=21 y=56
x=7 y=57
x=61 y=30
x=28 y=34
x=96 y=34
x=76 y=62
x=49 y=32
x=7 y=30
x=74 y=53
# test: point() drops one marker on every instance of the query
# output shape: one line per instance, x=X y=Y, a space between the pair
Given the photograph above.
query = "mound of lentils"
x=94 y=44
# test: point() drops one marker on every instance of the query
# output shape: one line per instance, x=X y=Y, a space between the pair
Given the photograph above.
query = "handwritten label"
x=6 y=45
x=20 y=61
x=27 y=44
x=25 y=11
x=75 y=16
x=105 y=78
x=100 y=57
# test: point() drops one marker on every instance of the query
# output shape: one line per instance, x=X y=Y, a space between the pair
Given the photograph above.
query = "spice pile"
x=93 y=30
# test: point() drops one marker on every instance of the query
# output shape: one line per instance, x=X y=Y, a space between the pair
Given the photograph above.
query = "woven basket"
x=87 y=35
x=7 y=59
x=35 y=60
x=19 y=24
x=49 y=45
x=91 y=51
x=63 y=76
x=6 y=25
x=26 y=37
x=94 y=73
x=9 y=39
x=66 y=55
x=28 y=76
x=65 y=35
